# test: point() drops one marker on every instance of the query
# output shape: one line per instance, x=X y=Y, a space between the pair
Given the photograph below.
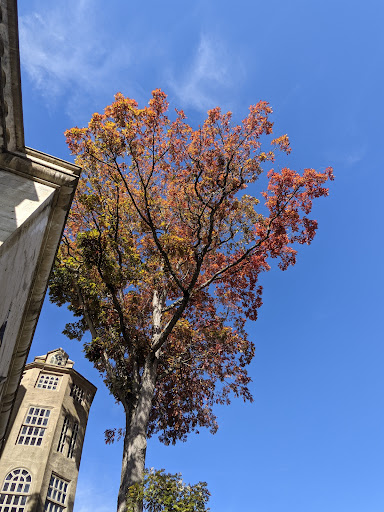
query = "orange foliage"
x=163 y=251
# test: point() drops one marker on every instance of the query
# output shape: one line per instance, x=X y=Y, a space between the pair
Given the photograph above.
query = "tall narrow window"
x=63 y=435
x=15 y=491
x=77 y=393
x=34 y=426
x=72 y=442
x=48 y=381
x=56 y=495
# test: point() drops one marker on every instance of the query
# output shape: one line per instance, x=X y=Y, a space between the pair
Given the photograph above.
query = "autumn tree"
x=161 y=258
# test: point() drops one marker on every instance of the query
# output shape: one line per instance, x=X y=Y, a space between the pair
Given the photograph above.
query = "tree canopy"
x=162 y=254
x=165 y=492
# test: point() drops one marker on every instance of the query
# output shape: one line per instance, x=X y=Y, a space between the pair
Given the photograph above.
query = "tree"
x=164 y=492
x=161 y=259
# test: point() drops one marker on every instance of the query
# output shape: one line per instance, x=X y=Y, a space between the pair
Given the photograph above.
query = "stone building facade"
x=40 y=461
x=36 y=192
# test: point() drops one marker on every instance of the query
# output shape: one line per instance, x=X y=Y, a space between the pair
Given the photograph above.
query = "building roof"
x=58 y=360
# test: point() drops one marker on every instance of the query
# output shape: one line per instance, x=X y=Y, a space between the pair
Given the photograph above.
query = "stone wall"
x=25 y=212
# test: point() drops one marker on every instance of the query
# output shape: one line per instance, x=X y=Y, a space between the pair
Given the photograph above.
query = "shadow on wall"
x=19 y=197
x=81 y=421
x=34 y=502
x=20 y=397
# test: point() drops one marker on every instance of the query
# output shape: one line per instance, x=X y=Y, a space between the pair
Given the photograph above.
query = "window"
x=63 y=435
x=15 y=491
x=34 y=426
x=59 y=359
x=72 y=442
x=77 y=393
x=56 y=495
x=48 y=381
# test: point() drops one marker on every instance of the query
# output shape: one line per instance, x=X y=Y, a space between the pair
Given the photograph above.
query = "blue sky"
x=313 y=440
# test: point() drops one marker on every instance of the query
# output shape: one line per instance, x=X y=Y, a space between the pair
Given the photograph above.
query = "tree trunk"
x=135 y=441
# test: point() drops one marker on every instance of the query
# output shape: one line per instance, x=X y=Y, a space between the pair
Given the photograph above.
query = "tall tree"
x=161 y=259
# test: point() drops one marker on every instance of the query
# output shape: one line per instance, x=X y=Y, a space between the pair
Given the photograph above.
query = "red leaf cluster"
x=163 y=251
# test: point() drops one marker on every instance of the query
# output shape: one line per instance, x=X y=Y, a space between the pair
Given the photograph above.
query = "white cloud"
x=212 y=73
x=347 y=157
x=356 y=155
x=65 y=52
x=73 y=55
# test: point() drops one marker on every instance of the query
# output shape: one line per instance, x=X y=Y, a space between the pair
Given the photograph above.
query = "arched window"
x=15 y=491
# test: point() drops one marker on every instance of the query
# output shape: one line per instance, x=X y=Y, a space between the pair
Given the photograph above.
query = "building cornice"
x=62 y=370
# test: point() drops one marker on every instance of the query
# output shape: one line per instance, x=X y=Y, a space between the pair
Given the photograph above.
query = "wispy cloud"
x=356 y=155
x=347 y=157
x=73 y=56
x=211 y=75
x=65 y=52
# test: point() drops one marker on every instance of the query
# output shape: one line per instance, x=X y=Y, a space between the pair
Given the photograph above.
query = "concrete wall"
x=20 y=199
x=25 y=211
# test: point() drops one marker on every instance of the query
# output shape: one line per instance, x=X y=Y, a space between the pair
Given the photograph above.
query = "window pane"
x=16 y=491
x=34 y=425
x=56 y=495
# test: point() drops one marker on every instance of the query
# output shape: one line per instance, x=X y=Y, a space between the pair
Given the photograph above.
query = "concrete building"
x=41 y=457
x=36 y=192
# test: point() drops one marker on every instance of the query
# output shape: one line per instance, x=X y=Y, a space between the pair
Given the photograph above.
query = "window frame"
x=8 y=502
x=34 y=429
x=72 y=441
x=63 y=435
x=58 y=359
x=51 y=376
x=77 y=393
x=51 y=503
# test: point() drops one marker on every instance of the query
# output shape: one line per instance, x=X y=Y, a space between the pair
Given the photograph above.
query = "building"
x=41 y=457
x=36 y=192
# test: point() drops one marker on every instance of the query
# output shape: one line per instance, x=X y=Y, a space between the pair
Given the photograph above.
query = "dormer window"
x=58 y=358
